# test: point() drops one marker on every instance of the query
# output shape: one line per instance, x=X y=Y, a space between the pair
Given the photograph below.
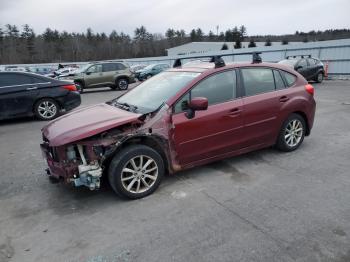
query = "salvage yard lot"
x=262 y=206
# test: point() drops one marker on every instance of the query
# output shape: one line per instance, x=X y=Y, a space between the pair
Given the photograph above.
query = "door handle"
x=234 y=112
x=284 y=99
x=32 y=88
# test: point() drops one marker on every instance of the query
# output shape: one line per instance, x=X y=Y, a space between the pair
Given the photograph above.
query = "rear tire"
x=122 y=83
x=319 y=78
x=136 y=171
x=292 y=133
x=46 y=109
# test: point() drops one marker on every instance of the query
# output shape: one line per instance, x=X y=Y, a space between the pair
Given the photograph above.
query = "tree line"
x=20 y=45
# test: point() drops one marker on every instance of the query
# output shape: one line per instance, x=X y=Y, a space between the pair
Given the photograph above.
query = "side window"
x=95 y=69
x=7 y=80
x=278 y=80
x=108 y=67
x=181 y=104
x=290 y=79
x=120 y=66
x=15 y=79
x=218 y=88
x=257 y=80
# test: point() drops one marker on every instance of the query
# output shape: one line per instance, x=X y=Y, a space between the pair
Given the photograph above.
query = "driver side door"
x=94 y=76
x=212 y=132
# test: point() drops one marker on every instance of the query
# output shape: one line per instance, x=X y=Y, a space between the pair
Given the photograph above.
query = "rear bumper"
x=70 y=101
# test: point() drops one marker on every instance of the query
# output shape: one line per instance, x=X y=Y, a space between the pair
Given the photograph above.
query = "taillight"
x=70 y=87
x=310 y=89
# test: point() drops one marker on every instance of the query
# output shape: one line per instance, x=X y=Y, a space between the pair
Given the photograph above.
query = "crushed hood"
x=86 y=122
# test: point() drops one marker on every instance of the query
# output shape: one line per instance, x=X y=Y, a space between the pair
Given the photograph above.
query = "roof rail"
x=217 y=59
x=295 y=56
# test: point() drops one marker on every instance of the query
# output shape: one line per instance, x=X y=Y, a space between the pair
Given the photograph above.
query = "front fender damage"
x=84 y=162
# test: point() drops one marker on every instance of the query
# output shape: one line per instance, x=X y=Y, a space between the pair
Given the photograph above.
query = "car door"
x=109 y=71
x=94 y=76
x=17 y=94
x=302 y=68
x=313 y=68
x=214 y=131
x=260 y=105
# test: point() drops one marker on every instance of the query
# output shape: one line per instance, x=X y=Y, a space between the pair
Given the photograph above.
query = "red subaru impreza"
x=181 y=118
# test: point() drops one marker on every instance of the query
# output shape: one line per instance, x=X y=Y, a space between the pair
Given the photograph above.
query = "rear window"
x=289 y=62
x=290 y=79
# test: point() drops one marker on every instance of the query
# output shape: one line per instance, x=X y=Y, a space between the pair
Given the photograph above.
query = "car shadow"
x=66 y=199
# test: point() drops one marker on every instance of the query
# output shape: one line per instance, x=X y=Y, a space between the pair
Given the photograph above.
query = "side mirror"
x=88 y=73
x=196 y=104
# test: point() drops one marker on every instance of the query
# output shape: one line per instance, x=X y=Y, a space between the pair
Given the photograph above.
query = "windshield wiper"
x=126 y=106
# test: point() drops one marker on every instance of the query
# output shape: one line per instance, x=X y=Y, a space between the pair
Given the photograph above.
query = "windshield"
x=149 y=67
x=83 y=68
x=151 y=94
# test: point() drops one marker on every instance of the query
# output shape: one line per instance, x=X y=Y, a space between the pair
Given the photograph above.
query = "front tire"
x=292 y=133
x=80 y=87
x=46 y=109
x=136 y=171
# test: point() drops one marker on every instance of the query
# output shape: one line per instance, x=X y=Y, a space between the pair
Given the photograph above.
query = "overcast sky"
x=259 y=16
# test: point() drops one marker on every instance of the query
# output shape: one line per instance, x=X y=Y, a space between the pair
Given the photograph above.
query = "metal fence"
x=336 y=53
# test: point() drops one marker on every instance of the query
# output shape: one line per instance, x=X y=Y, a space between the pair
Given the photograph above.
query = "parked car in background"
x=179 y=119
x=309 y=67
x=64 y=72
x=116 y=75
x=135 y=68
x=150 y=70
x=27 y=94
x=16 y=69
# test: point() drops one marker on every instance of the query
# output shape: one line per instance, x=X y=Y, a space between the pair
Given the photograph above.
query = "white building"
x=204 y=47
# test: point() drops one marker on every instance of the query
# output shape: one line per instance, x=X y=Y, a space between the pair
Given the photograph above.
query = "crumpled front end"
x=84 y=161
x=78 y=164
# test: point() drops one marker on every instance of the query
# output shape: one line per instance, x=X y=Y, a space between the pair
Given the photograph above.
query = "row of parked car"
x=26 y=94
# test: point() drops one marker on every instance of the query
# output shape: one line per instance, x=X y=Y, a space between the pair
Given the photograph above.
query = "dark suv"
x=115 y=75
x=309 y=67
x=178 y=119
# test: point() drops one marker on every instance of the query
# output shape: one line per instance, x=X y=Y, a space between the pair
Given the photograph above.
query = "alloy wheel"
x=293 y=133
x=123 y=84
x=47 y=109
x=139 y=174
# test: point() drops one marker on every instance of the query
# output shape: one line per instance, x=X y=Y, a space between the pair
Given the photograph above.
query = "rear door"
x=260 y=105
x=313 y=68
x=109 y=71
x=215 y=131
x=17 y=94
x=303 y=68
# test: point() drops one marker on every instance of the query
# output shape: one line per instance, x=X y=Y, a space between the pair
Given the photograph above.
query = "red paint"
x=222 y=130
x=86 y=122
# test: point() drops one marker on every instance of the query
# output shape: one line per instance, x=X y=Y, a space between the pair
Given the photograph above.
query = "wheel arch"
x=153 y=141
x=48 y=97
x=121 y=77
x=303 y=115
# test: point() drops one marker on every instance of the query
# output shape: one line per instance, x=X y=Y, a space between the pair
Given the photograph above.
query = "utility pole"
x=217 y=30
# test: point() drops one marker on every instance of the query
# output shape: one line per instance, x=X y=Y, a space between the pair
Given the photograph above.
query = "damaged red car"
x=181 y=118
